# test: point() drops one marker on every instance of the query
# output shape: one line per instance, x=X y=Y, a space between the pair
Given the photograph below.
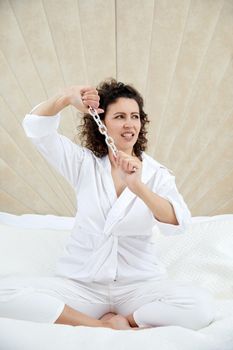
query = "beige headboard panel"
x=178 y=53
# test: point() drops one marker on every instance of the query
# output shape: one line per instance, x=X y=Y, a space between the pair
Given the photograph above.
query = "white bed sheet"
x=66 y=223
x=37 y=221
x=34 y=336
x=30 y=244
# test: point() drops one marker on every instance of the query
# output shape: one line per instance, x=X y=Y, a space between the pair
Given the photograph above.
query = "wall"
x=178 y=53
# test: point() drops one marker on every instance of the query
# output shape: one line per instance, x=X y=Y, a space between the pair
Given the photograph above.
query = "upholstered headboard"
x=177 y=53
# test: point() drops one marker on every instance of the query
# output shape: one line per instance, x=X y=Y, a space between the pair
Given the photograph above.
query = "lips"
x=127 y=134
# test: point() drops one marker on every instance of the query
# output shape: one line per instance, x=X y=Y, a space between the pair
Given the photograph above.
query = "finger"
x=121 y=155
x=114 y=158
x=90 y=97
x=133 y=167
x=91 y=94
x=129 y=164
x=125 y=164
x=99 y=110
x=119 y=161
x=122 y=160
x=86 y=89
x=91 y=103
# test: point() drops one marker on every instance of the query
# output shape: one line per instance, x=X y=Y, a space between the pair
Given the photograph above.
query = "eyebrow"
x=125 y=113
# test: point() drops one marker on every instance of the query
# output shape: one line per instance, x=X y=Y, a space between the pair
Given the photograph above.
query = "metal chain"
x=103 y=130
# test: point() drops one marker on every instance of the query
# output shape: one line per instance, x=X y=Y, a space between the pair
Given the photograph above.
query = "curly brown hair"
x=109 y=91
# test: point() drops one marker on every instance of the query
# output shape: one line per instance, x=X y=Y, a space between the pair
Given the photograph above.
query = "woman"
x=109 y=274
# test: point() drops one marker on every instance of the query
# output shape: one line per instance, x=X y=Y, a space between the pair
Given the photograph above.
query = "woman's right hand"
x=82 y=97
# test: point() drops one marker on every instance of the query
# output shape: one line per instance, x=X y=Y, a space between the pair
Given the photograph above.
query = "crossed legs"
x=137 y=305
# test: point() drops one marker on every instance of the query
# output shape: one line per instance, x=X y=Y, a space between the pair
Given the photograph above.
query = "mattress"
x=30 y=245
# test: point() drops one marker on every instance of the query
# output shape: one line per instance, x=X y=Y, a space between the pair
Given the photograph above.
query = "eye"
x=119 y=116
x=136 y=116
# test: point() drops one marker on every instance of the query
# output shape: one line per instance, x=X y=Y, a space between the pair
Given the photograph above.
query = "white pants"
x=152 y=303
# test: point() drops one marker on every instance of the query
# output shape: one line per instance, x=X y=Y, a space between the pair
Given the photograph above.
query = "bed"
x=30 y=245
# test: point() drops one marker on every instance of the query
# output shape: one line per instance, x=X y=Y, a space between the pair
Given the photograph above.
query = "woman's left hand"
x=130 y=169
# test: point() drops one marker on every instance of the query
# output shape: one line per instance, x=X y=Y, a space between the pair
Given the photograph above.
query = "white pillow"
x=37 y=221
x=30 y=251
x=204 y=254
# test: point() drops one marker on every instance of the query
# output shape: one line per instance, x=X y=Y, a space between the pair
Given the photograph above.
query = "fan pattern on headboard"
x=177 y=53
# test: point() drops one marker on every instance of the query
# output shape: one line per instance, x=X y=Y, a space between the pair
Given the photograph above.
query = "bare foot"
x=133 y=324
x=107 y=316
x=117 y=322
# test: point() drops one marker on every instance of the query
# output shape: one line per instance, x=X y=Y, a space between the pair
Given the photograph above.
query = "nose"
x=128 y=123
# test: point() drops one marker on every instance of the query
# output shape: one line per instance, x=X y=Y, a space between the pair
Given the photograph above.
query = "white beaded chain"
x=103 y=130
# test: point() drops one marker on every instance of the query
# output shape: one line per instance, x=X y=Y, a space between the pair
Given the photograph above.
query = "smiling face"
x=122 y=120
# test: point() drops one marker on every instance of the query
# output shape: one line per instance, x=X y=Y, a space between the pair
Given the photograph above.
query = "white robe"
x=112 y=237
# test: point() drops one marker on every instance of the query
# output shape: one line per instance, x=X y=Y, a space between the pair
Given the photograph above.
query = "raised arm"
x=78 y=96
x=64 y=155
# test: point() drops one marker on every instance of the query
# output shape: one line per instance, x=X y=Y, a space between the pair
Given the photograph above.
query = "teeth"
x=127 y=134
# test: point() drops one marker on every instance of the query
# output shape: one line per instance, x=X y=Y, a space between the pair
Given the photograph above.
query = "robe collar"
x=119 y=205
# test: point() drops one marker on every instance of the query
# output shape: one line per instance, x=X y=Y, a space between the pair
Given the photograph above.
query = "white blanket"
x=202 y=255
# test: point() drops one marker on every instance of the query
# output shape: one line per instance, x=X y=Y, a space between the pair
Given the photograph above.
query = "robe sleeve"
x=64 y=155
x=166 y=188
